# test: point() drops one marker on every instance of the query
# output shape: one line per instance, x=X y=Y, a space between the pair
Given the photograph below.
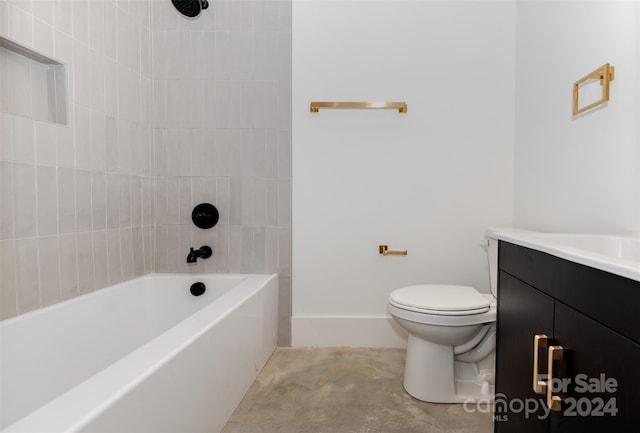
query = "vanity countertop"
x=617 y=254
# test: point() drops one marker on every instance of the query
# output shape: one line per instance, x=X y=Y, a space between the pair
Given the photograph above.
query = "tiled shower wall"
x=222 y=135
x=164 y=113
x=76 y=209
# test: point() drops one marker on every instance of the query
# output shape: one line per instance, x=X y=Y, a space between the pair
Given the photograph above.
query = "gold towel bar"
x=400 y=106
x=605 y=74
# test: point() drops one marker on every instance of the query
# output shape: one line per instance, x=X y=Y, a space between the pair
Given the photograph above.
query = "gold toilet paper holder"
x=385 y=251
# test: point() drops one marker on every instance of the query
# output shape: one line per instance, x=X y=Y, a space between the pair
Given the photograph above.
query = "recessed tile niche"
x=31 y=84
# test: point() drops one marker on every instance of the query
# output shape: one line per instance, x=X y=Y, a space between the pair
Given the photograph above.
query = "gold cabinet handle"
x=539 y=386
x=384 y=250
x=553 y=401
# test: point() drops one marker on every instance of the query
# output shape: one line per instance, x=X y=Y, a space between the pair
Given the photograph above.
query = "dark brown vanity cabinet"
x=591 y=319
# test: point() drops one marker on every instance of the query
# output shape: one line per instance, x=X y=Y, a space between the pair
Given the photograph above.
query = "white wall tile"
x=222 y=150
x=47 y=187
x=96 y=25
x=24 y=200
x=126 y=253
x=284 y=154
x=97 y=80
x=221 y=249
x=185 y=203
x=6 y=198
x=138 y=251
x=26 y=271
x=284 y=202
x=23 y=139
x=45 y=138
x=4 y=17
x=125 y=200
x=100 y=258
x=64 y=147
x=64 y=16
x=98 y=201
x=68 y=266
x=185 y=242
x=20 y=25
x=6 y=136
x=43 y=37
x=222 y=104
x=271 y=145
x=98 y=140
x=272 y=189
x=271 y=250
x=246 y=249
x=160 y=255
x=134 y=41
x=235 y=152
x=284 y=250
x=83 y=200
x=16 y=68
x=83 y=137
x=111 y=144
x=49 y=252
x=173 y=200
x=39 y=87
x=43 y=10
x=8 y=302
x=247 y=202
x=111 y=87
x=223 y=198
x=86 y=277
x=66 y=200
x=136 y=201
x=284 y=104
x=149 y=250
x=174 y=257
x=259 y=201
x=113 y=251
x=123 y=37
x=235 y=200
x=148 y=203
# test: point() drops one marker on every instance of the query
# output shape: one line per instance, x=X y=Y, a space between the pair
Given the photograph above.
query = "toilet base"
x=432 y=374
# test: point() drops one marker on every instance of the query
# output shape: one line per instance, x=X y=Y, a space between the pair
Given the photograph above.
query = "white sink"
x=623 y=247
x=617 y=254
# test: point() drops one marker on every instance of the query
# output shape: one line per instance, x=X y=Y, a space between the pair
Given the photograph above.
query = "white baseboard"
x=347 y=332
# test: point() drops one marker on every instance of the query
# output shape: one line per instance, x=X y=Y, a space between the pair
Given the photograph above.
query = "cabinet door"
x=595 y=355
x=523 y=312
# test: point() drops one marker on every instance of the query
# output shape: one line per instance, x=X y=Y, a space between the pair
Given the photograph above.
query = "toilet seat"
x=442 y=300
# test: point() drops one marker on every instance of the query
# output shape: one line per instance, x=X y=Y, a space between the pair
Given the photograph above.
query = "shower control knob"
x=198 y=288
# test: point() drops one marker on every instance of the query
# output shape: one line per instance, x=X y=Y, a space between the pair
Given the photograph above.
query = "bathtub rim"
x=80 y=405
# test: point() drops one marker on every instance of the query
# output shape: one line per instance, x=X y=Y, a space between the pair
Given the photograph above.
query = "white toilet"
x=451 y=347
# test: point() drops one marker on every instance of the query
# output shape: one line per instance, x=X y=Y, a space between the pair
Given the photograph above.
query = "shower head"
x=190 y=8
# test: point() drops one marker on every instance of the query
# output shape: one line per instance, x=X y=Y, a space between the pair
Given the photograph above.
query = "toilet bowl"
x=451 y=347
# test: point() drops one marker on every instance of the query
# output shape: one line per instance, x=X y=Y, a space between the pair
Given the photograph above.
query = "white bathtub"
x=141 y=356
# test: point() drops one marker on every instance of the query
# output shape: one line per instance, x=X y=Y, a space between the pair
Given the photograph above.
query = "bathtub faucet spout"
x=204 y=252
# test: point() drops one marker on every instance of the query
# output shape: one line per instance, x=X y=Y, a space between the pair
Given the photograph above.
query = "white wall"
x=429 y=181
x=577 y=174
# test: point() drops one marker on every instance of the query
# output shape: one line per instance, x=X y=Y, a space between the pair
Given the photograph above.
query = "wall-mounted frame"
x=606 y=74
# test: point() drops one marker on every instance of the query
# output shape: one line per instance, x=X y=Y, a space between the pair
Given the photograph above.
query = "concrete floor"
x=343 y=391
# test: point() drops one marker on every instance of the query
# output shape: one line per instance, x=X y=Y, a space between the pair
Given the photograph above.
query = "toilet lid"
x=441 y=299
